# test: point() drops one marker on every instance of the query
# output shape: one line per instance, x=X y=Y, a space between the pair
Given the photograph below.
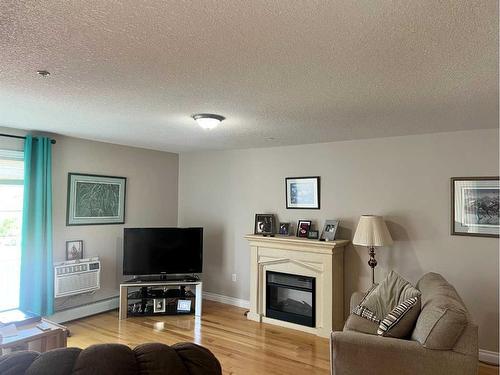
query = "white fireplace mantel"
x=319 y=259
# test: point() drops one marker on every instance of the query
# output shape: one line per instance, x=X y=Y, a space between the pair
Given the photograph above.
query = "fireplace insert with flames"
x=291 y=298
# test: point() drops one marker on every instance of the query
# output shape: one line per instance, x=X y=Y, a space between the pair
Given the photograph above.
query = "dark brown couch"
x=104 y=359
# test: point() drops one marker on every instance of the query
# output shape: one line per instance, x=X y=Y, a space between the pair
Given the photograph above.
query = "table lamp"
x=372 y=232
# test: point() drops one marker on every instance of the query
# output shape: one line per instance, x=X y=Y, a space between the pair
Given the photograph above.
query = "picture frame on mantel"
x=313 y=234
x=264 y=224
x=302 y=192
x=284 y=229
x=474 y=206
x=303 y=228
x=329 y=230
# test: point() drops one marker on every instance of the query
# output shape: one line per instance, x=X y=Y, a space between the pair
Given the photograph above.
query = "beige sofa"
x=444 y=340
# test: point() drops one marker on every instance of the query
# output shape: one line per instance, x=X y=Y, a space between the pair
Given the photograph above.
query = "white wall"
x=151 y=200
x=406 y=179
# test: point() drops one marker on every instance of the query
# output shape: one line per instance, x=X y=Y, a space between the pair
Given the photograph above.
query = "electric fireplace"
x=291 y=298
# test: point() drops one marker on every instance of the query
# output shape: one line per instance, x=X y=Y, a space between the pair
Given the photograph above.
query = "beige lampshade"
x=372 y=231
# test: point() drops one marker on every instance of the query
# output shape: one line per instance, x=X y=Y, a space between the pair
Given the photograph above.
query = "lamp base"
x=372 y=262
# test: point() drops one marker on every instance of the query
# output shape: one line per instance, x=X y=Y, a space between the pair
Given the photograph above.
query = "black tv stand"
x=146 y=294
x=154 y=278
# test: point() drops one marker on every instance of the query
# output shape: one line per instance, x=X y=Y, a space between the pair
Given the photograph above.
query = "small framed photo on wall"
x=302 y=192
x=475 y=206
x=74 y=250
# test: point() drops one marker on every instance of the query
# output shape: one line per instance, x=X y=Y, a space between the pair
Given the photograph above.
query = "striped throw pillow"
x=366 y=313
x=396 y=316
x=363 y=311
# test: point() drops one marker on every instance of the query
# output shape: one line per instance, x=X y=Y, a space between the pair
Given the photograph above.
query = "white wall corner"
x=489 y=357
x=227 y=300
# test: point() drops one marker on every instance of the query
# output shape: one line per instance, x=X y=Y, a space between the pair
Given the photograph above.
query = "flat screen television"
x=155 y=251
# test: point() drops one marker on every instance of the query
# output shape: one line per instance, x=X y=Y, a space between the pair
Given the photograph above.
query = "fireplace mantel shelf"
x=300 y=244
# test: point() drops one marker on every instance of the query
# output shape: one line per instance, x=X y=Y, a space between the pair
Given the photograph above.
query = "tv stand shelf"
x=125 y=295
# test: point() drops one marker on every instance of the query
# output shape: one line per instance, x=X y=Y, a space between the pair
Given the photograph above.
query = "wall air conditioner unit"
x=76 y=277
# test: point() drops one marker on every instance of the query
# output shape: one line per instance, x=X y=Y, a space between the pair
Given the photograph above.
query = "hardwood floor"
x=485 y=369
x=242 y=346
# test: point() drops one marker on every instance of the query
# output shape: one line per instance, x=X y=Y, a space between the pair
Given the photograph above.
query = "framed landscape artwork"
x=95 y=199
x=474 y=206
x=302 y=192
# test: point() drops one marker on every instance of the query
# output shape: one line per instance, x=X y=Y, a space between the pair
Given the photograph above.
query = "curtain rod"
x=53 y=141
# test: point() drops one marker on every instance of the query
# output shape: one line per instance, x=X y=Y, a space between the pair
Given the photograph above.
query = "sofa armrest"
x=354 y=353
x=356 y=298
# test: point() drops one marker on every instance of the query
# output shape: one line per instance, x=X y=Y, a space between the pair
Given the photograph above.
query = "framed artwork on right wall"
x=474 y=206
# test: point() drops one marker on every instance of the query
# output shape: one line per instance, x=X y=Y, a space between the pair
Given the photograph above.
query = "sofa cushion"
x=359 y=324
x=399 y=323
x=155 y=357
x=392 y=291
x=64 y=357
x=16 y=363
x=106 y=359
x=364 y=312
x=197 y=359
x=443 y=316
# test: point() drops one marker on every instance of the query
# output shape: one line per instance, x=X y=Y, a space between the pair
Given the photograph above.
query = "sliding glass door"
x=11 y=207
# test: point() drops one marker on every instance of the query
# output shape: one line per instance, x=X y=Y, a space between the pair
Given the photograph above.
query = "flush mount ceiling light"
x=208 y=120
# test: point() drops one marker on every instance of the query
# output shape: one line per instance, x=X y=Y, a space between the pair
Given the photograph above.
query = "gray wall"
x=406 y=179
x=151 y=200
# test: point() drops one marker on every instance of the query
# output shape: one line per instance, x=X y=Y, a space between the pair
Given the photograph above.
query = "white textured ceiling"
x=132 y=72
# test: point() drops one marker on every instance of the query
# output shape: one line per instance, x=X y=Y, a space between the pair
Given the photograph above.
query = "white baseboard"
x=85 y=310
x=227 y=300
x=489 y=357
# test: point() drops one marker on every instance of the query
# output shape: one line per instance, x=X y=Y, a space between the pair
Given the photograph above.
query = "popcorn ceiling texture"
x=132 y=72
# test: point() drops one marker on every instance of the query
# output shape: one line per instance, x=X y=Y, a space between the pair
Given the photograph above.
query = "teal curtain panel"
x=37 y=273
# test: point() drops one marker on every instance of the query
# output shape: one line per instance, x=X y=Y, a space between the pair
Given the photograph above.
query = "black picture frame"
x=264 y=224
x=289 y=193
x=456 y=221
x=284 y=229
x=302 y=231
